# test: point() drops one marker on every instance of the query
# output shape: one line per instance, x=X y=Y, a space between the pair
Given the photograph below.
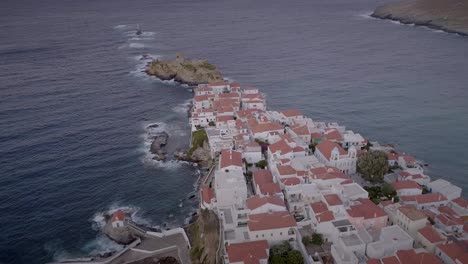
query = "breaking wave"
x=183 y=108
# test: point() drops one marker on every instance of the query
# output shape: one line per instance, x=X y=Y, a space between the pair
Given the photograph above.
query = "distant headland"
x=447 y=15
x=185 y=71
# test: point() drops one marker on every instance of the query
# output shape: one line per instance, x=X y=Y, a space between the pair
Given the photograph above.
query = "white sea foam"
x=122 y=27
x=183 y=107
x=100 y=245
x=153 y=129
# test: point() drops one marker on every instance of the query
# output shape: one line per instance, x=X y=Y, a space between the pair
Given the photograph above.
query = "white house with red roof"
x=274 y=227
x=407 y=188
x=219 y=87
x=262 y=131
x=264 y=204
x=203 y=101
x=452 y=253
x=300 y=131
x=203 y=90
x=264 y=184
x=208 y=198
x=332 y=154
x=250 y=252
x=414 y=174
x=449 y=223
x=292 y=116
x=230 y=160
x=423 y=201
x=327 y=176
x=365 y=214
x=460 y=206
x=410 y=219
x=118 y=219
x=429 y=238
x=320 y=217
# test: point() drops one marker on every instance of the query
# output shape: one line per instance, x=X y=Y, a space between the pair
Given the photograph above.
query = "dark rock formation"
x=158 y=144
x=448 y=15
x=186 y=71
x=202 y=155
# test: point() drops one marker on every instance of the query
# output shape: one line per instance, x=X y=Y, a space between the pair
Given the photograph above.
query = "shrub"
x=261 y=164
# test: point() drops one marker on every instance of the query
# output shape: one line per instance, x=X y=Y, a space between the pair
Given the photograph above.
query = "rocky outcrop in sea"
x=185 y=71
x=447 y=15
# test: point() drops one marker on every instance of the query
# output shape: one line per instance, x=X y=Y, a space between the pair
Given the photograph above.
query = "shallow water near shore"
x=74 y=104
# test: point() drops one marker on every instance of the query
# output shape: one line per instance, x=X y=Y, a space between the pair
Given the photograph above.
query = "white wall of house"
x=409 y=192
x=273 y=236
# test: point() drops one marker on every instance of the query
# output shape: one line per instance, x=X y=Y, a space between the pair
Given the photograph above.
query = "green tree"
x=373 y=165
x=388 y=191
x=284 y=253
x=261 y=164
x=317 y=239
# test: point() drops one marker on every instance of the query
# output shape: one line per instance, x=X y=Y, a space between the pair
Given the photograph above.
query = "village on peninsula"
x=281 y=187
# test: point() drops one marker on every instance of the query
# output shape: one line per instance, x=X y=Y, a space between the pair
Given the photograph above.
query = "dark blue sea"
x=74 y=105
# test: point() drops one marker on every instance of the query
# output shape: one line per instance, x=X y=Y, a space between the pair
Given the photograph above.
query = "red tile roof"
x=333 y=135
x=280 y=146
x=230 y=158
x=326 y=216
x=449 y=220
x=316 y=136
x=333 y=199
x=392 y=156
x=301 y=130
x=269 y=188
x=425 y=198
x=400 y=185
x=248 y=252
x=262 y=176
x=286 y=170
x=431 y=234
x=326 y=147
x=373 y=261
x=259 y=128
x=268 y=221
x=366 y=209
x=207 y=194
x=291 y=113
x=118 y=216
x=291 y=181
x=319 y=207
x=461 y=202
x=412 y=213
x=411 y=257
x=455 y=251
x=256 y=201
x=224 y=118
x=390 y=260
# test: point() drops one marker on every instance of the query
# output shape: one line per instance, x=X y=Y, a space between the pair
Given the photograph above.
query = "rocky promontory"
x=448 y=15
x=183 y=70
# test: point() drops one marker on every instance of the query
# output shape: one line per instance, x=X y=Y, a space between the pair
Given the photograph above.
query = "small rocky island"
x=447 y=15
x=185 y=71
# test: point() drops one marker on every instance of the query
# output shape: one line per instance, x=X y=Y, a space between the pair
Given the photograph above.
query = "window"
x=281 y=233
x=256 y=236
x=271 y=234
x=263 y=235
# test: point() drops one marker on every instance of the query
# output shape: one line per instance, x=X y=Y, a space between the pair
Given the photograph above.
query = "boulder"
x=186 y=71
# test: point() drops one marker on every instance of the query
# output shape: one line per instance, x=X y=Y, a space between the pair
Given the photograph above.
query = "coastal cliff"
x=447 y=15
x=186 y=71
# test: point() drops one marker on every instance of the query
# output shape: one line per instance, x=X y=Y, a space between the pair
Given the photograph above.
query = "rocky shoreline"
x=183 y=70
x=447 y=15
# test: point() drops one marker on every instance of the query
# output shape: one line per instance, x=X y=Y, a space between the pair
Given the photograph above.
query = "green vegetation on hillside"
x=198 y=137
x=208 y=66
